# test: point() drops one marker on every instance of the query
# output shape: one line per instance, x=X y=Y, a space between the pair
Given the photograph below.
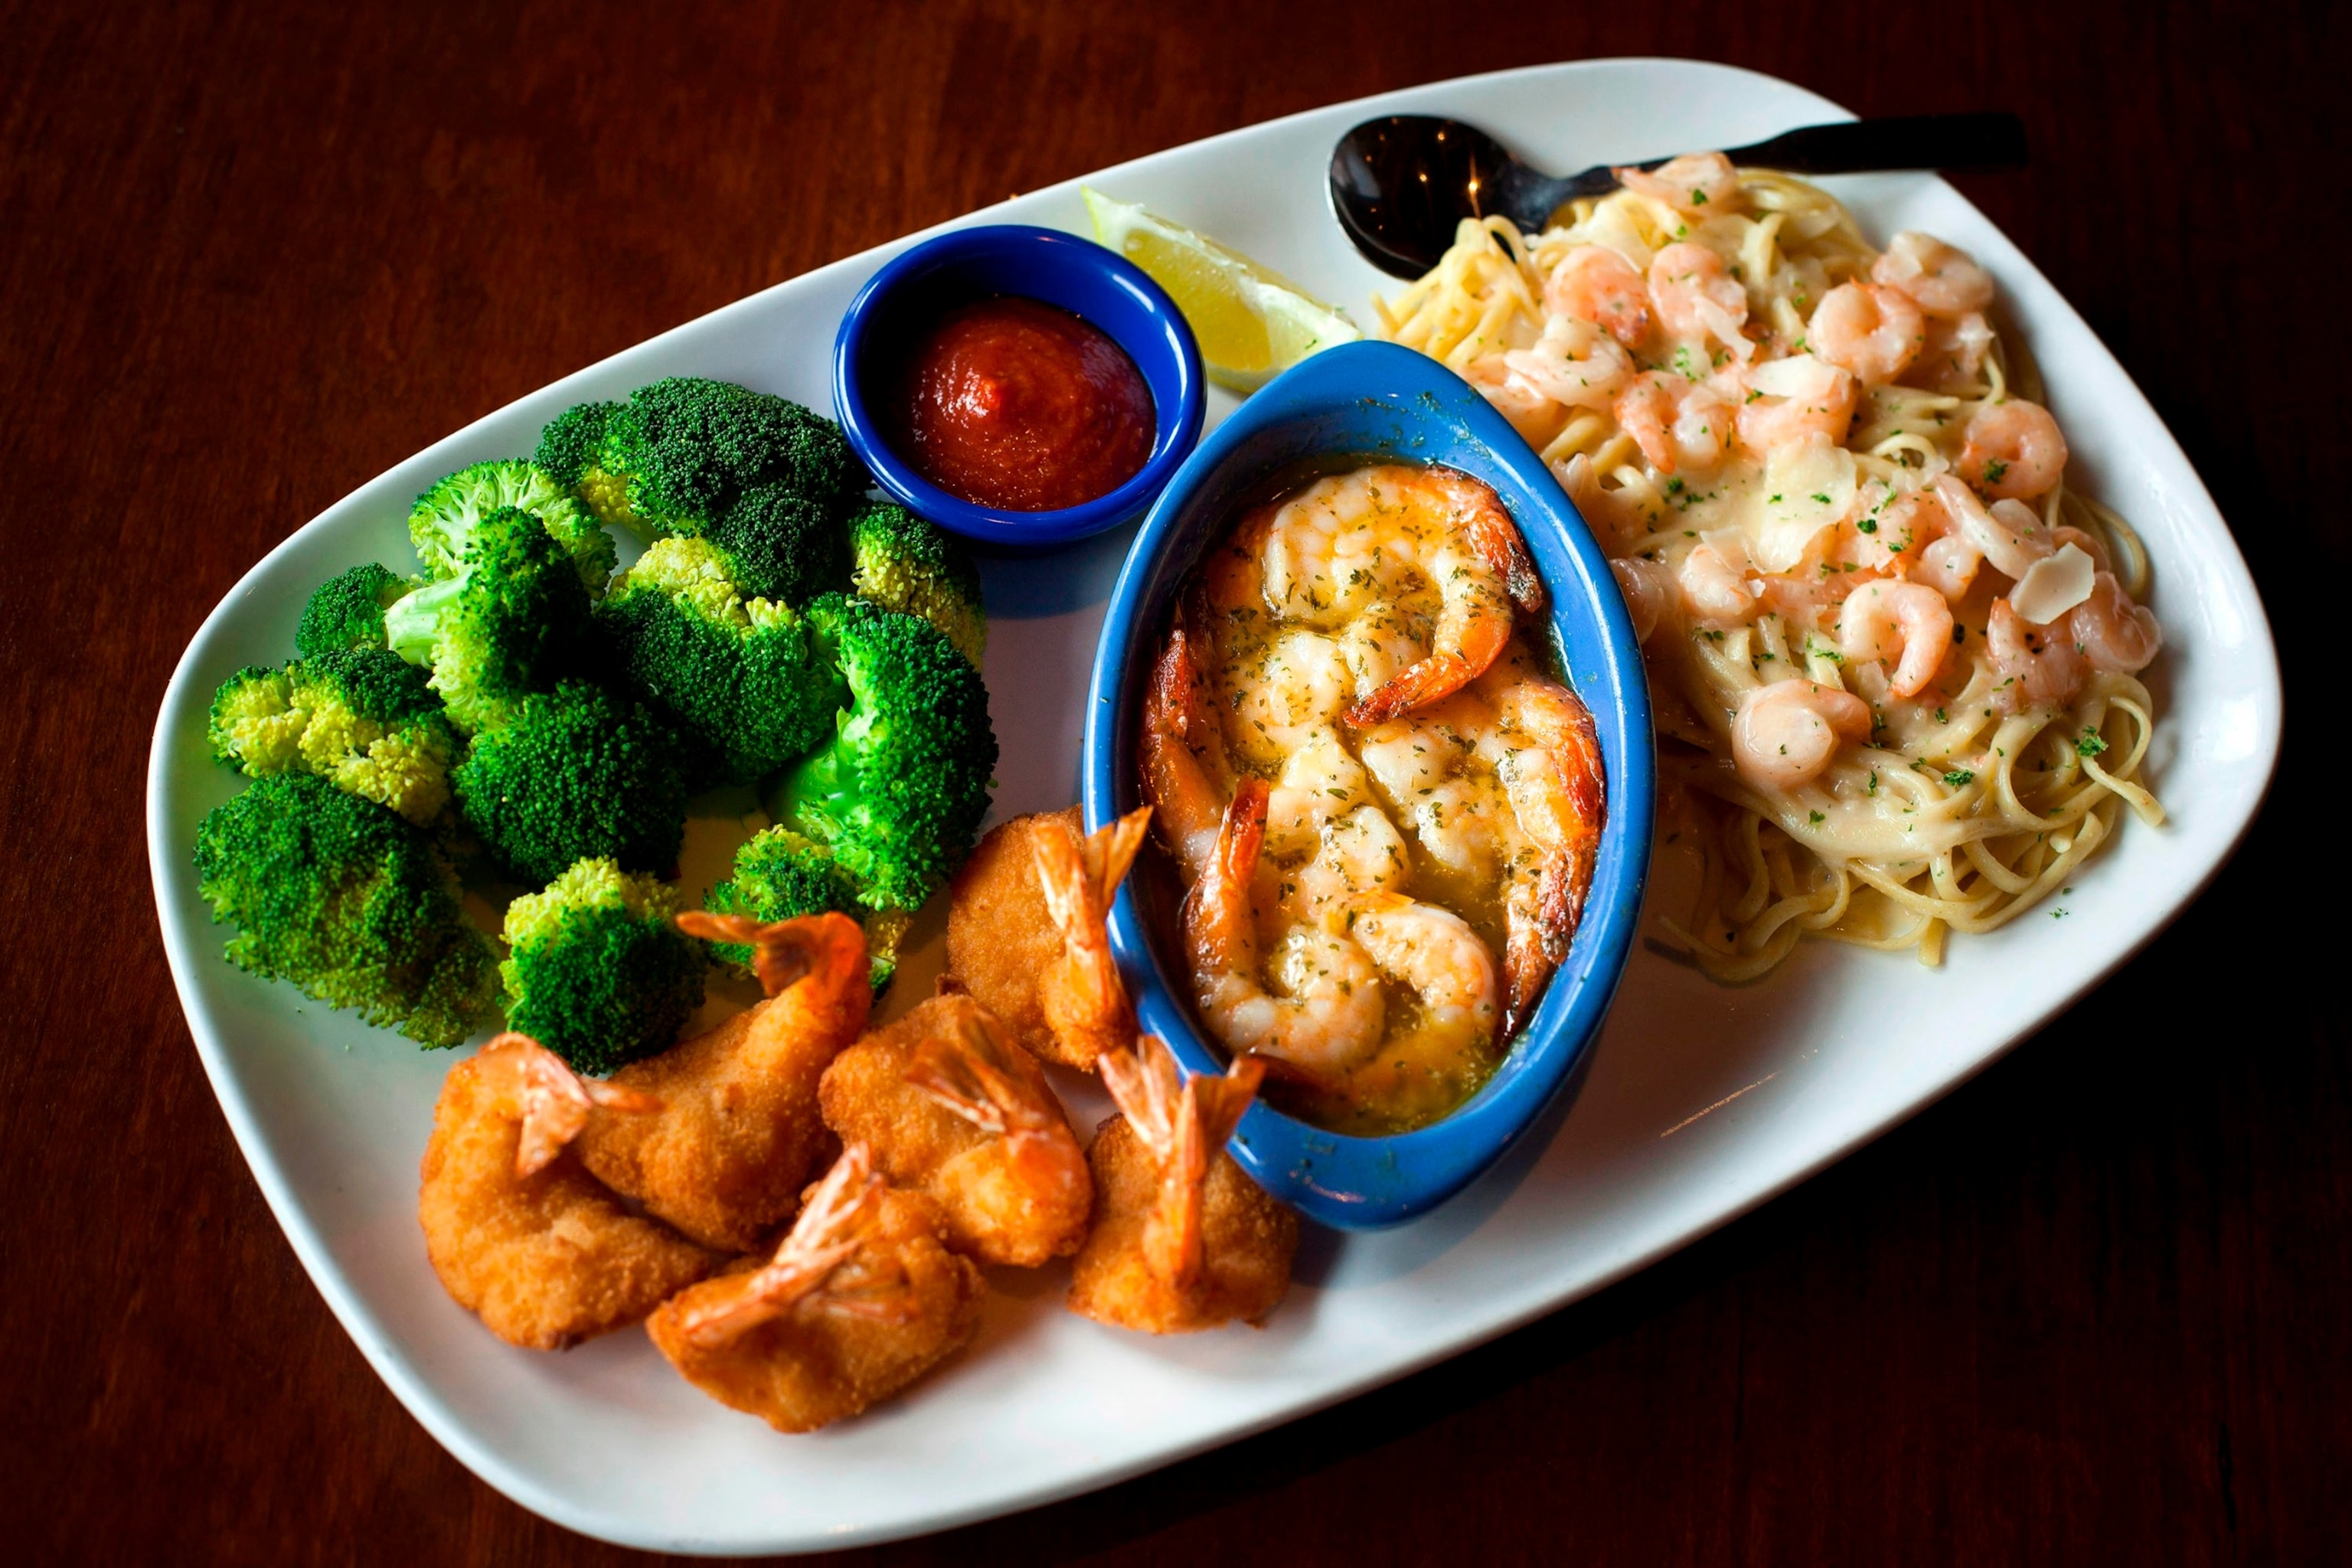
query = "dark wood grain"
x=2097 y=1306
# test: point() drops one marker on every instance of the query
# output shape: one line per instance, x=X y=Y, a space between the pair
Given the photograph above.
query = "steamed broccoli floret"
x=903 y=562
x=898 y=793
x=780 y=876
x=599 y=975
x=348 y=611
x=359 y=718
x=346 y=901
x=680 y=452
x=569 y=445
x=514 y=620
x=741 y=677
x=572 y=451
x=783 y=545
x=574 y=772
x=446 y=517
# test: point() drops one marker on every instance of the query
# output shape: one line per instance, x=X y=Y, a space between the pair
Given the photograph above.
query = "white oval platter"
x=1702 y=1101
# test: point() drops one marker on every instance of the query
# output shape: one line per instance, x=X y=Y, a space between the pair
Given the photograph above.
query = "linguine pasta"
x=1895 y=656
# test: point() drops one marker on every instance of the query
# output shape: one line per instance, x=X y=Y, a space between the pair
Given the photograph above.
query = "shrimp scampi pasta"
x=1894 y=655
x=1384 y=808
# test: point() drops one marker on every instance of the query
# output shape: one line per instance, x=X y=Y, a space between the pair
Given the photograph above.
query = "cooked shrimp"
x=1185 y=773
x=1941 y=279
x=1792 y=398
x=2038 y=665
x=1868 y=329
x=1084 y=1000
x=1294 y=690
x=1515 y=397
x=2014 y=451
x=1595 y=284
x=2006 y=533
x=2113 y=633
x=1434 y=777
x=1552 y=771
x=1182 y=1239
x=739 y=1129
x=1676 y=422
x=954 y=1109
x=1917 y=529
x=1716 y=593
x=1337 y=548
x=519 y=1233
x=1319 y=783
x=860 y=1300
x=1951 y=353
x=1358 y=852
x=1698 y=299
x=1437 y=955
x=1001 y=933
x=1908 y=623
x=1574 y=363
x=1331 y=1009
x=1698 y=184
x=1785 y=733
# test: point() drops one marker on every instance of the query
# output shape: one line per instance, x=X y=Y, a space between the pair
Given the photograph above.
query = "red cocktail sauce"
x=1012 y=403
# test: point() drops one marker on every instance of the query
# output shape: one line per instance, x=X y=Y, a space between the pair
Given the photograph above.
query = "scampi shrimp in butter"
x=1383 y=810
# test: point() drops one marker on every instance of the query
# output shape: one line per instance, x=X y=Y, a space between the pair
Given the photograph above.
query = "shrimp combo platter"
x=1561 y=748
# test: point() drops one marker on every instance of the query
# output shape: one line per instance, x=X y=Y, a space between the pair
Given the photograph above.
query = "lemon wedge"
x=1253 y=323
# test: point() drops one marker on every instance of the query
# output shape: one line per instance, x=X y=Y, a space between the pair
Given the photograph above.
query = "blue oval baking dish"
x=915 y=288
x=1376 y=400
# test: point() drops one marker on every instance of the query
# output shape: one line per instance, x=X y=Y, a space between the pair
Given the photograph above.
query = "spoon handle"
x=1995 y=141
x=1991 y=141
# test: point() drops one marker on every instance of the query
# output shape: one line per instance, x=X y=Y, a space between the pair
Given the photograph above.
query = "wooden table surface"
x=2098 y=1305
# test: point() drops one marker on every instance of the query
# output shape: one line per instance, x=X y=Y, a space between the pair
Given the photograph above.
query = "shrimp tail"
x=555 y=1103
x=821 y=1240
x=828 y=948
x=1499 y=543
x=969 y=1075
x=1184 y=763
x=1083 y=999
x=1185 y=1128
x=1216 y=938
x=1433 y=679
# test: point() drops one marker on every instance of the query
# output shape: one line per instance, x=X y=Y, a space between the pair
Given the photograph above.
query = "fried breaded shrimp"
x=859 y=1302
x=1084 y=1000
x=954 y=1109
x=1182 y=1239
x=1000 y=935
x=520 y=1235
x=739 y=1130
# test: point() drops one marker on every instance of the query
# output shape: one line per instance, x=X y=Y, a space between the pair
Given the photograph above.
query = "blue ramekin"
x=914 y=288
x=1377 y=401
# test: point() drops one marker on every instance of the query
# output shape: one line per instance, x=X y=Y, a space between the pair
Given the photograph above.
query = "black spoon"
x=1401 y=185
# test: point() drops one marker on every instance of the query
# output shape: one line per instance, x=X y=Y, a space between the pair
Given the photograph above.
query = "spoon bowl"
x=1401 y=185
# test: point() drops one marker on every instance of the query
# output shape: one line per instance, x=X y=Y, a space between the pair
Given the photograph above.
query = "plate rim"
x=2262 y=683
